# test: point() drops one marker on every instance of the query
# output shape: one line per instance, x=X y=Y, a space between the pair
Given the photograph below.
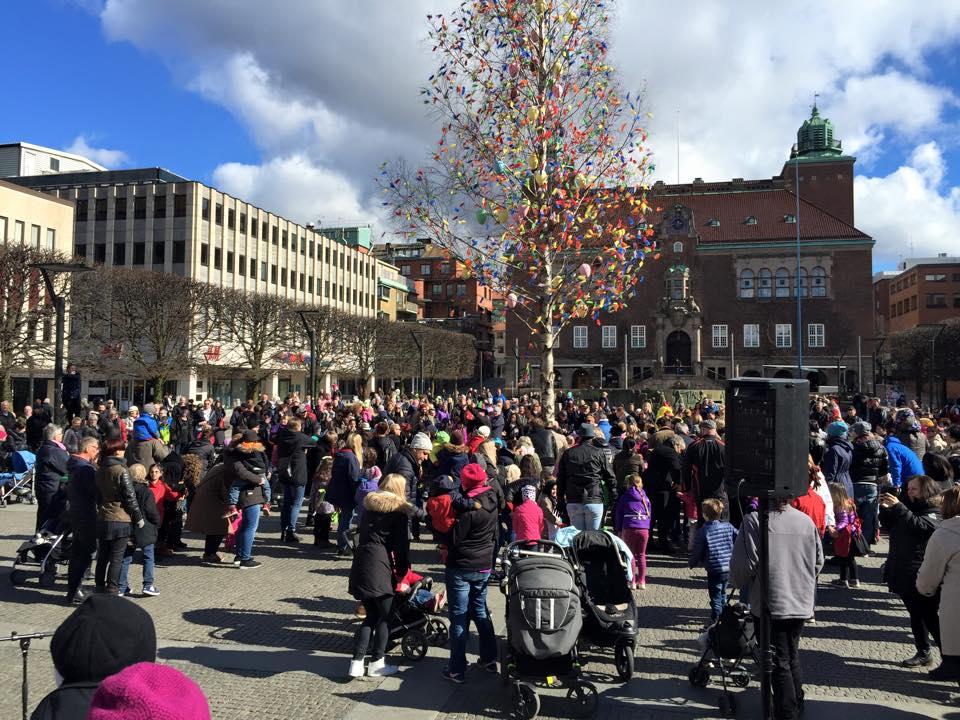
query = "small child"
x=548 y=503
x=442 y=506
x=163 y=494
x=144 y=538
x=847 y=525
x=369 y=482
x=321 y=509
x=528 y=523
x=712 y=548
x=631 y=521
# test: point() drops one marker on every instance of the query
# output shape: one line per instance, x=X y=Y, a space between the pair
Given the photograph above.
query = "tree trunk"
x=252 y=386
x=6 y=387
x=158 y=383
x=547 y=392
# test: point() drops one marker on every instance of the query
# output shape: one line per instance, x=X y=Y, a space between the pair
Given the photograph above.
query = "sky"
x=294 y=104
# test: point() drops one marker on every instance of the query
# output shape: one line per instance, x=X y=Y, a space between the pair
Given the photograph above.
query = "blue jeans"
x=343 y=528
x=717 y=589
x=148 y=557
x=467 y=600
x=867 y=497
x=585 y=516
x=292 y=502
x=247 y=531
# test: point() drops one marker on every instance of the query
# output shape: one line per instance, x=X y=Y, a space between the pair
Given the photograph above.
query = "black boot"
x=921 y=659
x=321 y=531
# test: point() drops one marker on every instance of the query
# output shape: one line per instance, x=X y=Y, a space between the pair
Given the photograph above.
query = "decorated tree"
x=537 y=182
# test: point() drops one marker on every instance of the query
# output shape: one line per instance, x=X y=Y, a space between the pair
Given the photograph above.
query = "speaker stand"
x=766 y=651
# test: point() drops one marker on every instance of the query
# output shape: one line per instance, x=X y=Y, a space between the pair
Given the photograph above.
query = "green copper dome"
x=815 y=138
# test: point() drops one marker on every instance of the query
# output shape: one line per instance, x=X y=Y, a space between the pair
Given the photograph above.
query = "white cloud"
x=907 y=212
x=103 y=156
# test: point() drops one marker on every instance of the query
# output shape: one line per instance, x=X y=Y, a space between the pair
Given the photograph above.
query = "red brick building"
x=722 y=299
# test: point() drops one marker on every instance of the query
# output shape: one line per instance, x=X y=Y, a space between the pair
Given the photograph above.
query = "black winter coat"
x=344 y=479
x=70 y=701
x=545 y=445
x=626 y=462
x=291 y=459
x=385 y=448
x=473 y=535
x=403 y=463
x=869 y=463
x=383 y=554
x=202 y=449
x=50 y=468
x=147 y=535
x=82 y=494
x=703 y=468
x=582 y=472
x=664 y=469
x=910 y=525
x=245 y=465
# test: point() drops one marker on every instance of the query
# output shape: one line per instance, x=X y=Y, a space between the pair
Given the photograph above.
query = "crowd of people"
x=472 y=472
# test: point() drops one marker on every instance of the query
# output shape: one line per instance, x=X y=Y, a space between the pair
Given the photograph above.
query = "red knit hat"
x=147 y=691
x=472 y=476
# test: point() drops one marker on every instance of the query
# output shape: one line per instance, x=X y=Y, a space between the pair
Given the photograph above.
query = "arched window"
x=804 y=284
x=677 y=283
x=818 y=282
x=782 y=283
x=678 y=247
x=746 y=283
x=764 y=283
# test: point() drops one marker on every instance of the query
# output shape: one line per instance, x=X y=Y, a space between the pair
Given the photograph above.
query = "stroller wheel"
x=48 y=578
x=699 y=676
x=623 y=660
x=524 y=701
x=741 y=680
x=585 y=698
x=414 y=645
x=727 y=705
x=437 y=632
x=18 y=577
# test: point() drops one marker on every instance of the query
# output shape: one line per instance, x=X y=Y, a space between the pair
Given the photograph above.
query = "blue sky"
x=294 y=105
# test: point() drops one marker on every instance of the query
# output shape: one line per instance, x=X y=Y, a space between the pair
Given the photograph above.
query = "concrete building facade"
x=22 y=158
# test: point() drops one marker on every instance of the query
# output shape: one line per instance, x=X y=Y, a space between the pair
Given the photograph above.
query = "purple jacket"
x=632 y=511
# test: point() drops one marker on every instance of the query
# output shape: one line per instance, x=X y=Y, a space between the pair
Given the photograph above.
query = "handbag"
x=859 y=546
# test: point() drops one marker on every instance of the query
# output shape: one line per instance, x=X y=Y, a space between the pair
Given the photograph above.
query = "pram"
x=729 y=641
x=17 y=484
x=46 y=553
x=414 y=627
x=543 y=623
x=609 y=610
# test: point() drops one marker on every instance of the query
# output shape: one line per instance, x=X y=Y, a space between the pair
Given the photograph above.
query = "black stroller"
x=609 y=610
x=46 y=553
x=414 y=627
x=729 y=642
x=543 y=625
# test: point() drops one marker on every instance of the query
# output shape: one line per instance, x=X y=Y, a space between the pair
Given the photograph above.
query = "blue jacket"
x=837 y=461
x=145 y=427
x=903 y=461
x=604 y=427
x=713 y=546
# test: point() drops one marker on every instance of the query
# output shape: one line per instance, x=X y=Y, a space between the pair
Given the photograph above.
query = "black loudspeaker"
x=767 y=437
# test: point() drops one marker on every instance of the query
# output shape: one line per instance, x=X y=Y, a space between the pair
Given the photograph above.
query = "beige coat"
x=941 y=566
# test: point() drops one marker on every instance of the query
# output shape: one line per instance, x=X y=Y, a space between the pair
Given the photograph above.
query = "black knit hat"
x=102 y=637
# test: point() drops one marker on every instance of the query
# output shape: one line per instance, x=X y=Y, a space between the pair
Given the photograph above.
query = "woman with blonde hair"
x=383 y=553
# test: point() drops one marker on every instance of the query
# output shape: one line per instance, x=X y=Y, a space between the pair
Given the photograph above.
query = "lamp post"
x=306 y=316
x=48 y=271
x=940 y=327
x=873 y=359
x=416 y=338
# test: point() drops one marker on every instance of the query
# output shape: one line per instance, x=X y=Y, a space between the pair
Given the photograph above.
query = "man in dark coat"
x=383 y=445
x=626 y=462
x=292 y=468
x=581 y=475
x=50 y=470
x=70 y=391
x=544 y=444
x=82 y=513
x=409 y=463
x=661 y=481
x=37 y=421
x=703 y=468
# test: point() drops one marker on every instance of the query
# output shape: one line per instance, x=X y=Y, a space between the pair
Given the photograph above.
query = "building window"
x=119 y=254
x=461 y=289
x=243 y=223
x=231 y=219
x=326 y=255
x=326 y=289
x=217 y=258
x=254 y=224
x=82 y=210
x=608 y=337
x=717 y=373
x=274 y=235
x=746 y=284
x=425 y=269
x=273 y=274
x=218 y=214
x=179 y=252
x=100 y=253
x=140 y=253
x=720 y=335
x=303 y=245
x=405 y=270
x=205 y=208
x=935 y=278
x=158 y=252
x=764 y=283
x=241 y=265
x=782 y=282
x=818 y=282
x=100 y=209
x=293 y=242
x=230 y=261
x=638 y=336
x=784 y=335
x=579 y=336
x=341 y=293
x=815 y=335
x=801 y=287
x=751 y=336
x=159 y=206
x=312 y=249
x=956 y=300
x=80 y=251
x=180 y=205
x=55 y=164
x=139 y=208
x=936 y=300
x=120 y=209
x=204 y=254
x=263 y=272
x=678 y=247
x=284 y=243
x=283 y=277
x=436 y=289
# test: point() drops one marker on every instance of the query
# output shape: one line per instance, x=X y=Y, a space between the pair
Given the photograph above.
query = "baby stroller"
x=729 y=642
x=17 y=484
x=412 y=623
x=543 y=623
x=46 y=553
x=609 y=610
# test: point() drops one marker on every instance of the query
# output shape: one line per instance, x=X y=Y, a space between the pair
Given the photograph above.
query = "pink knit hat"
x=147 y=691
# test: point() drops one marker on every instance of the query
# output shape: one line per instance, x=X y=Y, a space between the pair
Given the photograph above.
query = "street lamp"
x=416 y=338
x=48 y=271
x=940 y=327
x=306 y=316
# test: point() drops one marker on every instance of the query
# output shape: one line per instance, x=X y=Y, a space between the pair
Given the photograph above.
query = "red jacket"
x=441 y=513
x=528 y=521
x=161 y=493
x=812 y=505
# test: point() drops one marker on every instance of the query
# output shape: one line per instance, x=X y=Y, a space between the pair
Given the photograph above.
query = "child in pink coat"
x=528 y=516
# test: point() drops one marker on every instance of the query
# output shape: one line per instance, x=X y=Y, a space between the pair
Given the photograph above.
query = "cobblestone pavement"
x=271 y=644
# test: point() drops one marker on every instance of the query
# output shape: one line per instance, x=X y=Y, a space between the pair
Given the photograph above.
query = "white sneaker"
x=356 y=669
x=379 y=668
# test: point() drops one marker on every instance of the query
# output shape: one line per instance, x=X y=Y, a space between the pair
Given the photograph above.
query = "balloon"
x=585 y=270
x=513 y=68
x=501 y=215
x=482 y=216
x=512 y=300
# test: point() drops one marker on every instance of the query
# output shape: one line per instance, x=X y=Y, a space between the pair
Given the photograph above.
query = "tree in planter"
x=141 y=324
x=537 y=180
x=27 y=316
